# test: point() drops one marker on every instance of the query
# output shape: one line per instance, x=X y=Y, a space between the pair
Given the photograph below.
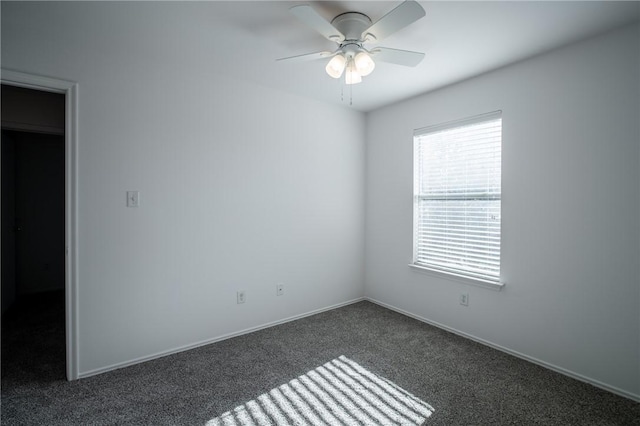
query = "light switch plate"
x=133 y=198
x=464 y=299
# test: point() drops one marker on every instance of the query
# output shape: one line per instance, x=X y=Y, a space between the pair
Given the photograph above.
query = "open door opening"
x=33 y=242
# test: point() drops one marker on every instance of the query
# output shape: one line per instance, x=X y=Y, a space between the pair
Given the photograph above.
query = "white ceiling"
x=460 y=40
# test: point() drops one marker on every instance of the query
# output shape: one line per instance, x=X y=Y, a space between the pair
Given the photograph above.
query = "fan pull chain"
x=342 y=92
x=351 y=95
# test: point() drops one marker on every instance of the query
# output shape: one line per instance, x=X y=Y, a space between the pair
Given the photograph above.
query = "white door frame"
x=70 y=90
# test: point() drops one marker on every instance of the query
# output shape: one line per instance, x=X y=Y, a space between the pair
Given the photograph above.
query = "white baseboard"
x=555 y=368
x=552 y=367
x=157 y=355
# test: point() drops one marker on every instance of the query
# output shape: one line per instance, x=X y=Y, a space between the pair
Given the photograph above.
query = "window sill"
x=496 y=286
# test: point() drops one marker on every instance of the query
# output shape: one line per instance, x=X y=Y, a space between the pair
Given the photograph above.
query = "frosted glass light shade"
x=336 y=65
x=364 y=64
x=352 y=76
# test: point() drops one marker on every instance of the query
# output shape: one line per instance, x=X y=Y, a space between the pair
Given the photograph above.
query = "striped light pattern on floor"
x=340 y=392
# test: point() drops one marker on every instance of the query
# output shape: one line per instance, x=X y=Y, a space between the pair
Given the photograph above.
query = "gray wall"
x=240 y=186
x=570 y=240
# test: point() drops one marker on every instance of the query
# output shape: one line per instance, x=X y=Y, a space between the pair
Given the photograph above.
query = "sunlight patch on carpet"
x=340 y=392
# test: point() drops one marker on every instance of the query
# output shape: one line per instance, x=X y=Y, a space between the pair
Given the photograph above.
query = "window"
x=457 y=198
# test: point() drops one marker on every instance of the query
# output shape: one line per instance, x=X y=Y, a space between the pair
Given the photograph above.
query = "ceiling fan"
x=351 y=30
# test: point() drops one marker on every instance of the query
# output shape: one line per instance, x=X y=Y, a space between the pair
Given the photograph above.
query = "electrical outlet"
x=279 y=289
x=241 y=297
x=464 y=299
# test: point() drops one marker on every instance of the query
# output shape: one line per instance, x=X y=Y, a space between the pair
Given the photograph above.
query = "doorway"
x=39 y=231
x=33 y=243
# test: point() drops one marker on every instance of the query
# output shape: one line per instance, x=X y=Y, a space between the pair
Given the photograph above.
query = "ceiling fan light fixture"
x=364 y=64
x=350 y=30
x=352 y=76
x=336 y=66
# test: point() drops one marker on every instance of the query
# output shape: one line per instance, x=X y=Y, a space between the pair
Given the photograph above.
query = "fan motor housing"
x=351 y=25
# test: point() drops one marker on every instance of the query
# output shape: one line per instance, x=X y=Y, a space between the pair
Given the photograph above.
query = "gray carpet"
x=336 y=393
x=464 y=382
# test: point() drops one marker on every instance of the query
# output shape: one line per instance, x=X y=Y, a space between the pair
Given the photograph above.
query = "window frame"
x=456 y=275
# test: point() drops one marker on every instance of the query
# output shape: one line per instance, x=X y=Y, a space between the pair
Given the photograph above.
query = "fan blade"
x=308 y=57
x=406 y=13
x=310 y=17
x=396 y=56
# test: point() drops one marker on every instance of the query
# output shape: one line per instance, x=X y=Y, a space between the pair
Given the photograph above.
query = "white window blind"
x=457 y=191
